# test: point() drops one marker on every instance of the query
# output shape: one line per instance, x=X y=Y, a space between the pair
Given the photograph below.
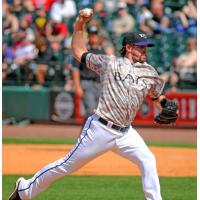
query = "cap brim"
x=95 y=33
x=144 y=43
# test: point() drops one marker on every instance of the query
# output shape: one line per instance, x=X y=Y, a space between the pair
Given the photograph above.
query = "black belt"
x=118 y=128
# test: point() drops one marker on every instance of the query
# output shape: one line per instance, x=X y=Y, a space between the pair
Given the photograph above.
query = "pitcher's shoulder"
x=151 y=67
x=145 y=69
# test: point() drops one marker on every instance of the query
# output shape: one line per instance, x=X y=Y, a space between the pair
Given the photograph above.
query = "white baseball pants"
x=95 y=140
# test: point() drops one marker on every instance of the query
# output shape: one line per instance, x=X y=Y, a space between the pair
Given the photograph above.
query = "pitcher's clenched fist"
x=85 y=15
x=86 y=12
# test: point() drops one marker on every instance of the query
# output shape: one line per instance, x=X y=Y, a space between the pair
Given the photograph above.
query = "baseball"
x=86 y=12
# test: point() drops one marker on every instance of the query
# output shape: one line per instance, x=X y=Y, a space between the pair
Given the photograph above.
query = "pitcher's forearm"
x=78 y=43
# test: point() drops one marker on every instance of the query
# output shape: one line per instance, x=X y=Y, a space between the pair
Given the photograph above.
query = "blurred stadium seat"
x=175 y=4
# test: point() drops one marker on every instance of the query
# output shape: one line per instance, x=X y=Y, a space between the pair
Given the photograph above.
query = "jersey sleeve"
x=97 y=62
x=156 y=88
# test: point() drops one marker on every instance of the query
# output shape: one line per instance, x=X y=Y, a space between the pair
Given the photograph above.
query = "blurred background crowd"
x=36 y=37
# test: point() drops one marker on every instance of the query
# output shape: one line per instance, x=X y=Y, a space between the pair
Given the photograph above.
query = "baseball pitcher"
x=125 y=82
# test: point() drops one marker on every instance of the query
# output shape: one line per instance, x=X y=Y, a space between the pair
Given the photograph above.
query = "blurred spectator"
x=100 y=13
x=56 y=31
x=42 y=60
x=41 y=12
x=98 y=23
x=184 y=71
x=158 y=23
x=145 y=16
x=25 y=23
x=10 y=21
x=29 y=9
x=7 y=54
x=46 y=4
x=56 y=64
x=40 y=22
x=29 y=12
x=107 y=45
x=86 y=82
x=24 y=58
x=63 y=9
x=188 y=19
x=57 y=55
x=7 y=60
x=69 y=8
x=49 y=62
x=68 y=67
x=124 y=22
x=104 y=36
x=18 y=38
x=40 y=27
x=17 y=7
x=110 y=6
x=56 y=12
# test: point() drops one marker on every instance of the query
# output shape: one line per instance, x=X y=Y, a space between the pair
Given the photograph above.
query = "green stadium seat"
x=69 y=22
x=181 y=43
x=175 y=4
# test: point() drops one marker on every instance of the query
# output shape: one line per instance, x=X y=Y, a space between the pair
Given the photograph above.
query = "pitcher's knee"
x=149 y=160
x=152 y=158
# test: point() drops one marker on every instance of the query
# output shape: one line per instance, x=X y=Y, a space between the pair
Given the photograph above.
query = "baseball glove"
x=168 y=114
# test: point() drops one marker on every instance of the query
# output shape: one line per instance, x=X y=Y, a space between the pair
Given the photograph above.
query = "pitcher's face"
x=137 y=53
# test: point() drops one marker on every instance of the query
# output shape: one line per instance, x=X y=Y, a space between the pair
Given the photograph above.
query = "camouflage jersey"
x=123 y=86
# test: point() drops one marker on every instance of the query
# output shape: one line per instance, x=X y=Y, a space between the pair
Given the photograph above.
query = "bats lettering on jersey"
x=120 y=77
x=141 y=85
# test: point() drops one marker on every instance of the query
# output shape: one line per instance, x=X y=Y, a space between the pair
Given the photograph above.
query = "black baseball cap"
x=139 y=39
x=92 y=30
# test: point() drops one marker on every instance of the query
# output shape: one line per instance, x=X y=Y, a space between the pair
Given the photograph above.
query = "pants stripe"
x=59 y=164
